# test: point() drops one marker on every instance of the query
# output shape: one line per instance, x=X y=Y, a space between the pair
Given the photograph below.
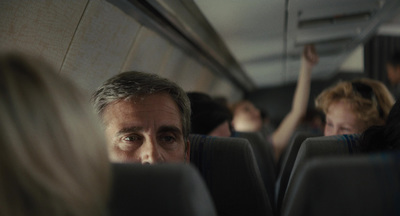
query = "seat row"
x=236 y=176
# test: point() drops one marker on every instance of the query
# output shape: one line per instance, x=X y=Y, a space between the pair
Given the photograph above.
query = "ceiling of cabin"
x=267 y=41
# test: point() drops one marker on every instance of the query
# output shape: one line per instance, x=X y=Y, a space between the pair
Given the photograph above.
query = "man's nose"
x=149 y=152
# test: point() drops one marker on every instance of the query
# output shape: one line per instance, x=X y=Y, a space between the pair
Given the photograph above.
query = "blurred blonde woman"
x=53 y=156
x=353 y=106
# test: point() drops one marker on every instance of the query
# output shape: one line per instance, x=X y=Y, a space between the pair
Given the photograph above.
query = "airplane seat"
x=366 y=185
x=167 y=189
x=287 y=161
x=264 y=155
x=315 y=147
x=231 y=173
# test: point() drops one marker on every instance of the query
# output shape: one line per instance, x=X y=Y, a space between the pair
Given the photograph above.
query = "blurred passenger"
x=209 y=116
x=247 y=118
x=352 y=107
x=393 y=73
x=385 y=137
x=146 y=118
x=53 y=154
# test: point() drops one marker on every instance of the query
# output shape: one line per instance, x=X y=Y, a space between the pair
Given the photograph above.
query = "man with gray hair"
x=146 y=118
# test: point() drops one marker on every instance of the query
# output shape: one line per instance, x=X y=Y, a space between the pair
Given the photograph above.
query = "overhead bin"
x=184 y=24
x=336 y=27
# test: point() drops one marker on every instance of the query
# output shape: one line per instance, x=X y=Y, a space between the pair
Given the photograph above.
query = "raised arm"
x=283 y=133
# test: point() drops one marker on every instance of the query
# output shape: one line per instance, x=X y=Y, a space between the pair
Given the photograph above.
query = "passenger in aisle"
x=146 y=118
x=353 y=106
x=53 y=153
x=247 y=118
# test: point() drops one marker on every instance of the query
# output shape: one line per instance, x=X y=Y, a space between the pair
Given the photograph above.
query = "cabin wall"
x=90 y=41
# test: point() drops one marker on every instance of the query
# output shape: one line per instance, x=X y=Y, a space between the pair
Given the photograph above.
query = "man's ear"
x=187 y=153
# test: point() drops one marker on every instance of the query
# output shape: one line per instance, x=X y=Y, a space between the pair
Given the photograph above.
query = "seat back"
x=319 y=147
x=366 y=185
x=169 y=189
x=287 y=162
x=263 y=153
x=230 y=171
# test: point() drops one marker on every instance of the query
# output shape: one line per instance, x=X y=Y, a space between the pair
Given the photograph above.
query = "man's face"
x=145 y=129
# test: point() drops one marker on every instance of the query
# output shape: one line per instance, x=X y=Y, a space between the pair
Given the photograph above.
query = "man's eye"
x=131 y=138
x=168 y=139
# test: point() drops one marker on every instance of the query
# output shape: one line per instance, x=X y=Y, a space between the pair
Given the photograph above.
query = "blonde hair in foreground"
x=53 y=157
x=367 y=110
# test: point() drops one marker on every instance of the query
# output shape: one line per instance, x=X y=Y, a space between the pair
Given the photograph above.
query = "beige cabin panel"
x=235 y=95
x=223 y=88
x=148 y=52
x=41 y=28
x=205 y=80
x=189 y=75
x=218 y=88
x=173 y=63
x=101 y=45
x=181 y=68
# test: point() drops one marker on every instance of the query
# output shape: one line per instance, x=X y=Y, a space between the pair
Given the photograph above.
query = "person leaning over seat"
x=146 y=118
x=353 y=106
x=53 y=153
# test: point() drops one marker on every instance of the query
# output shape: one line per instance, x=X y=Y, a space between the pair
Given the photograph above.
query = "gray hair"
x=133 y=83
x=53 y=153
